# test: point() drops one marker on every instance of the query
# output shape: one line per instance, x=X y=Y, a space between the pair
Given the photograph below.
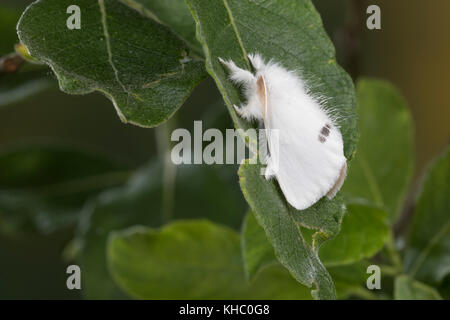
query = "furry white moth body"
x=310 y=155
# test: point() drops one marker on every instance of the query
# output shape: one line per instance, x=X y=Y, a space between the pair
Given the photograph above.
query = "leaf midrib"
x=238 y=36
x=101 y=4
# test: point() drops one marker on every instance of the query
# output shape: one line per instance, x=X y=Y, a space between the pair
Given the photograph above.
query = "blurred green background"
x=412 y=50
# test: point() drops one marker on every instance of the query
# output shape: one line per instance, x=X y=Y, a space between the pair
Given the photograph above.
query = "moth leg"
x=250 y=111
x=270 y=172
x=243 y=112
x=256 y=61
x=237 y=74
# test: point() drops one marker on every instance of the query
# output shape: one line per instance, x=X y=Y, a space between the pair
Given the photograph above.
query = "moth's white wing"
x=308 y=157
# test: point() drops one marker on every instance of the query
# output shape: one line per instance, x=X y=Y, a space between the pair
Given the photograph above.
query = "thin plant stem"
x=169 y=170
x=393 y=253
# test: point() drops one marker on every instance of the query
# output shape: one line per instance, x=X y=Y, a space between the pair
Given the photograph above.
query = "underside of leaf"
x=141 y=65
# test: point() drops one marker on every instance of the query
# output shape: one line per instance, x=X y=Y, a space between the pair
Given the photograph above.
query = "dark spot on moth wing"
x=322 y=138
x=325 y=131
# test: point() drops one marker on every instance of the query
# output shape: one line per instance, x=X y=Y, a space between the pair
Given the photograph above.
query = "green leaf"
x=427 y=256
x=172 y=13
x=350 y=280
x=364 y=232
x=275 y=282
x=382 y=168
x=191 y=260
x=283 y=232
x=407 y=288
x=233 y=28
x=43 y=188
x=200 y=191
x=256 y=249
x=141 y=65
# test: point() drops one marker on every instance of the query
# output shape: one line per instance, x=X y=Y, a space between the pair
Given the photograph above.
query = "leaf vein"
x=236 y=31
x=101 y=4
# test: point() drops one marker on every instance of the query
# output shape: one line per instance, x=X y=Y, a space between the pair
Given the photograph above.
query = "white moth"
x=309 y=160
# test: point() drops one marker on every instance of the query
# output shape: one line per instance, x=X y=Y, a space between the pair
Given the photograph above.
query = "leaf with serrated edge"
x=141 y=65
x=232 y=29
x=284 y=234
